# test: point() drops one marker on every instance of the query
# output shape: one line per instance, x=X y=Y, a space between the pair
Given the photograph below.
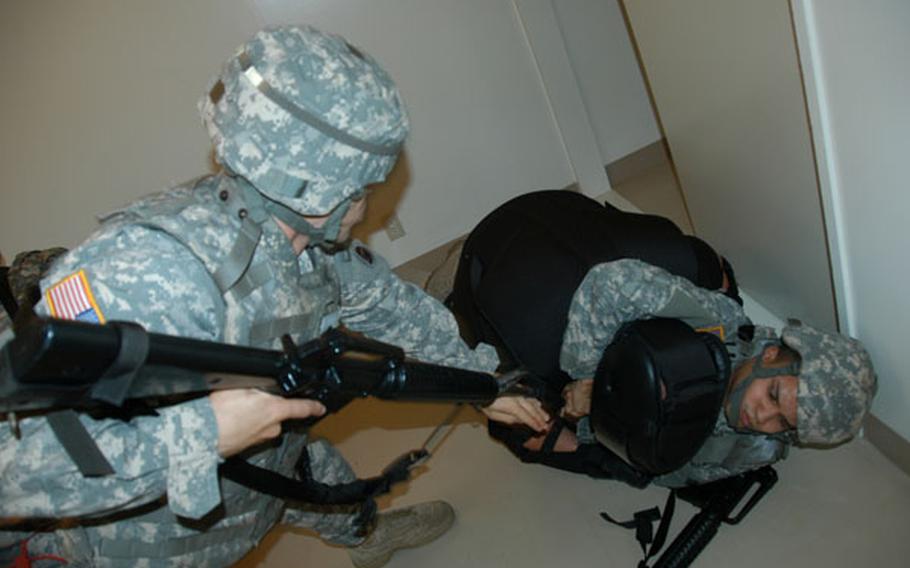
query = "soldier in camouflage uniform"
x=808 y=386
x=550 y=277
x=301 y=122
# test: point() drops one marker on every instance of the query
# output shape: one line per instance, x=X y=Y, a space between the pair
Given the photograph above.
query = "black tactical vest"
x=521 y=265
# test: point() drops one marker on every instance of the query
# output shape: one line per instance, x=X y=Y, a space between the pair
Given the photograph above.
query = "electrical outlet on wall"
x=394 y=229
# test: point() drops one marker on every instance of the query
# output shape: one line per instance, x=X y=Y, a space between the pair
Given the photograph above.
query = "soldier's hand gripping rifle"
x=63 y=365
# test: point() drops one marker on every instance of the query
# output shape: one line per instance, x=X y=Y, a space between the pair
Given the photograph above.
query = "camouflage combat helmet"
x=306 y=118
x=836 y=384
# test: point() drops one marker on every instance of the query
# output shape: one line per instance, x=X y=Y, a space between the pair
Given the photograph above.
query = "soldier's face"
x=354 y=215
x=769 y=404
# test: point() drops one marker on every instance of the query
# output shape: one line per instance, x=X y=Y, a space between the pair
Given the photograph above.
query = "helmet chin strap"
x=325 y=237
x=738 y=393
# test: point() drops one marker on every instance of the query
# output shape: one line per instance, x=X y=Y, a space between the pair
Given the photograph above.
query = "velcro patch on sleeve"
x=717 y=330
x=72 y=298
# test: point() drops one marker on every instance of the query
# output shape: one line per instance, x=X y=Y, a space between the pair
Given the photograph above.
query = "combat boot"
x=402 y=528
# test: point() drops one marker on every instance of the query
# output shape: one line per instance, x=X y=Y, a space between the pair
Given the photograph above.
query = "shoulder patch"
x=364 y=253
x=717 y=330
x=72 y=298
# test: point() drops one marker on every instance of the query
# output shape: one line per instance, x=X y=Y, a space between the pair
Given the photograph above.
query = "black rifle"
x=66 y=364
x=118 y=368
x=718 y=501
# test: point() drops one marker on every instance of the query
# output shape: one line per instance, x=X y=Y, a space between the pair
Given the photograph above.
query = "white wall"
x=726 y=82
x=548 y=48
x=98 y=104
x=855 y=57
x=608 y=75
x=98 y=107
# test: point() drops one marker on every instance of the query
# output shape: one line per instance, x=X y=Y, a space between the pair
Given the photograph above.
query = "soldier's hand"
x=565 y=442
x=518 y=410
x=577 y=395
x=247 y=417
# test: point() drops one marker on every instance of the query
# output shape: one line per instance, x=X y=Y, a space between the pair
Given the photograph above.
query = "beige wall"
x=101 y=107
x=98 y=106
x=608 y=76
x=726 y=81
x=855 y=59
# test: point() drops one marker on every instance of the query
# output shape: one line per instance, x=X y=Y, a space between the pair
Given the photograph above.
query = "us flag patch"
x=72 y=299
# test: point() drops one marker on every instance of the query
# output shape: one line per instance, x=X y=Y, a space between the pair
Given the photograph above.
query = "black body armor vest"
x=521 y=265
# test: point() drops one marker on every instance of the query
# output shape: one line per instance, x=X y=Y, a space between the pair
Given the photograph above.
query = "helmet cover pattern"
x=306 y=118
x=836 y=384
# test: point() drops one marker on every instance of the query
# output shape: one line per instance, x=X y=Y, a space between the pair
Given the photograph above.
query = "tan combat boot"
x=402 y=528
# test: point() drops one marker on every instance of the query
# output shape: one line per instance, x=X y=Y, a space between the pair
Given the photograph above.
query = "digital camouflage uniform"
x=625 y=290
x=170 y=263
x=174 y=455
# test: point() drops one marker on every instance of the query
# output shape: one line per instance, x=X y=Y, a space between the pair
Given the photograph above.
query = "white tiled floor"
x=845 y=507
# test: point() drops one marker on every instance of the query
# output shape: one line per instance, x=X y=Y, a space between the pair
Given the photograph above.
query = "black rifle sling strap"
x=78 y=444
x=358 y=492
x=114 y=385
x=112 y=388
x=643 y=524
x=308 y=490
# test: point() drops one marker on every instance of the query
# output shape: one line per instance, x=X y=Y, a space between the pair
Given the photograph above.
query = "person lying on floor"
x=551 y=277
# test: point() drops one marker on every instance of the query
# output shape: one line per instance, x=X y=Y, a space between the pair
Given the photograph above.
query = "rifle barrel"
x=57 y=363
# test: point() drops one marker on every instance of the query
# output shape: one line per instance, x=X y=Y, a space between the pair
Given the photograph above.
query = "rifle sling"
x=114 y=384
x=643 y=523
x=308 y=490
x=112 y=387
x=78 y=444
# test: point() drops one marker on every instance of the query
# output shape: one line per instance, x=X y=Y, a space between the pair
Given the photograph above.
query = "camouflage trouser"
x=91 y=545
x=335 y=524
